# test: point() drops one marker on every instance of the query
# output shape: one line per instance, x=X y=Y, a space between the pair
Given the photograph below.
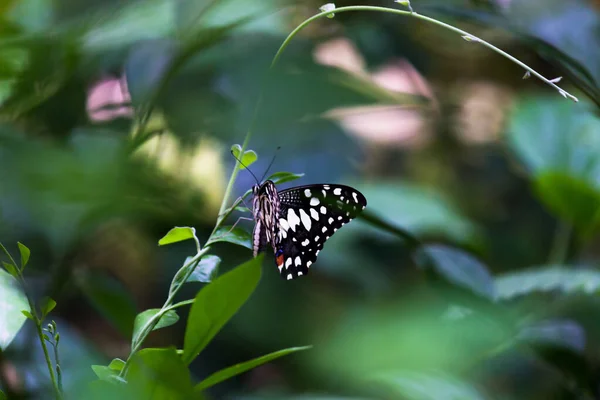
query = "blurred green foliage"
x=473 y=273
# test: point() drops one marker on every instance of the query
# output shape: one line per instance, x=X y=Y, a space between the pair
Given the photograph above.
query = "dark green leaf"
x=178 y=234
x=48 y=305
x=568 y=280
x=283 y=177
x=412 y=385
x=11 y=269
x=28 y=315
x=116 y=364
x=24 y=254
x=570 y=198
x=167 y=319
x=159 y=374
x=12 y=302
x=236 y=236
x=457 y=267
x=216 y=303
x=206 y=270
x=240 y=368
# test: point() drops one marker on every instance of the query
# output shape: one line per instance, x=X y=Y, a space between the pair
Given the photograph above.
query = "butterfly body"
x=296 y=222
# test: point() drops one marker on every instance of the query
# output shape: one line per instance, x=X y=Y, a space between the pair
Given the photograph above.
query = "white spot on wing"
x=330 y=220
x=292 y=219
x=337 y=191
x=324 y=229
x=308 y=264
x=340 y=218
x=289 y=277
x=355 y=196
x=305 y=219
x=317 y=238
x=314 y=201
x=299 y=273
x=306 y=242
x=326 y=187
x=288 y=263
x=283 y=224
x=317 y=252
x=323 y=210
x=307 y=192
x=298 y=261
x=314 y=214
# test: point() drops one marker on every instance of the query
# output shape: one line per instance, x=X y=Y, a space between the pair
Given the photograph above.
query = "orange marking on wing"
x=279 y=260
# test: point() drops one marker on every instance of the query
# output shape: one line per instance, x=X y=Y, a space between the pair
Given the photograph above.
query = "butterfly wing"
x=309 y=215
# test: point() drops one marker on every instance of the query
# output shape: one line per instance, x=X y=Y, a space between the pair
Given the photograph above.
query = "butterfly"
x=297 y=222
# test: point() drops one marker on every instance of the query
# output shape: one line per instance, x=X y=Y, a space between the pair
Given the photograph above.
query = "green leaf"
x=559 y=144
x=25 y=252
x=236 y=236
x=103 y=372
x=11 y=269
x=283 y=177
x=206 y=270
x=178 y=234
x=247 y=159
x=28 y=315
x=551 y=278
x=48 y=305
x=570 y=198
x=216 y=303
x=240 y=368
x=424 y=211
x=2 y=395
x=457 y=267
x=12 y=302
x=412 y=385
x=116 y=364
x=159 y=374
x=167 y=319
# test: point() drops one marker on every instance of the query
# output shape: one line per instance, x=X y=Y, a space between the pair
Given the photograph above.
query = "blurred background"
x=498 y=177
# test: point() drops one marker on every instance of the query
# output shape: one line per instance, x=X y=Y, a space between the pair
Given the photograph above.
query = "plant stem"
x=465 y=35
x=38 y=326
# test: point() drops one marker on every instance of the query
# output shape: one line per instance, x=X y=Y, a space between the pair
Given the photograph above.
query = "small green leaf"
x=11 y=269
x=248 y=158
x=240 y=368
x=216 y=303
x=48 y=305
x=46 y=338
x=206 y=269
x=236 y=236
x=167 y=319
x=25 y=252
x=283 y=177
x=178 y=234
x=103 y=372
x=28 y=315
x=117 y=364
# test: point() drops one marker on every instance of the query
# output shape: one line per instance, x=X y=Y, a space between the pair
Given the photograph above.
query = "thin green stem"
x=176 y=285
x=464 y=34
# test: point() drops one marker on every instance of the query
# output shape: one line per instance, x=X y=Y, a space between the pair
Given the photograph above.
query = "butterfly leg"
x=233 y=226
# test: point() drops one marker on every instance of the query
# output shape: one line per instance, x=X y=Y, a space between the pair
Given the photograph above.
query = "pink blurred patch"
x=109 y=99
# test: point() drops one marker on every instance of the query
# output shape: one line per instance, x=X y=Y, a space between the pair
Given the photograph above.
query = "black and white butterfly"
x=297 y=222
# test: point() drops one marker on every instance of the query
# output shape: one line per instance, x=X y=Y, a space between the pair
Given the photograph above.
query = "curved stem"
x=467 y=36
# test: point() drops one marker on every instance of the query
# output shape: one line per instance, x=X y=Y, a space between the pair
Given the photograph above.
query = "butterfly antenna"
x=247 y=169
x=270 y=164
